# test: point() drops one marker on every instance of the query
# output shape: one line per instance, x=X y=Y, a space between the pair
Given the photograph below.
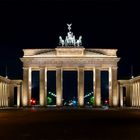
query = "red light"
x=31 y=100
x=106 y=101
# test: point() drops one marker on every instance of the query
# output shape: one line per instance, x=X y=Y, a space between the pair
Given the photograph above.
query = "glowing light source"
x=49 y=100
x=92 y=100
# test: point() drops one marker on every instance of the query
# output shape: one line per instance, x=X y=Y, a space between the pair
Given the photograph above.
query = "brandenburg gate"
x=70 y=55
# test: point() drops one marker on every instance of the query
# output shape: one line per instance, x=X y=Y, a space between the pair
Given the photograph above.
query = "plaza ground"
x=69 y=124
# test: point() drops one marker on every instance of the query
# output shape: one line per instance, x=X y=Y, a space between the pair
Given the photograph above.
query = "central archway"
x=70 y=88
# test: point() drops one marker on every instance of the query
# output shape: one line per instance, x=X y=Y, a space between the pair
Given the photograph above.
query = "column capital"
x=42 y=67
x=80 y=67
x=59 y=67
x=97 y=68
x=26 y=68
x=113 y=68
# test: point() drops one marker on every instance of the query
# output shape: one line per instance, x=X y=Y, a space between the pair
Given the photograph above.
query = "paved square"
x=70 y=124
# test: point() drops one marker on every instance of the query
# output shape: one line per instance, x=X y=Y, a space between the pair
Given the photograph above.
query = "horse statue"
x=61 y=41
x=70 y=39
x=79 y=41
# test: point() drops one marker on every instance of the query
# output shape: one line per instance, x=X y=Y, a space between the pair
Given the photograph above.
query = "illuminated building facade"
x=7 y=92
x=70 y=55
x=129 y=92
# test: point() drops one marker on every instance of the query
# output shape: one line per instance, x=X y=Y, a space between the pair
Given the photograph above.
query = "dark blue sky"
x=103 y=24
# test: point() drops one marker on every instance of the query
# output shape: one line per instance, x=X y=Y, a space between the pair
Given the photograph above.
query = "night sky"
x=110 y=24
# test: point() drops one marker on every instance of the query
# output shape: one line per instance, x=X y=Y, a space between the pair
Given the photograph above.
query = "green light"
x=49 y=100
x=92 y=100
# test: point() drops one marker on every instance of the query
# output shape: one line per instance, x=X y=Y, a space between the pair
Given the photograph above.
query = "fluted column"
x=26 y=89
x=121 y=96
x=43 y=87
x=113 y=90
x=81 y=86
x=97 y=86
x=59 y=84
x=18 y=95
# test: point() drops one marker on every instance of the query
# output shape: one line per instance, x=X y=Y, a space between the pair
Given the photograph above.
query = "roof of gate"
x=69 y=52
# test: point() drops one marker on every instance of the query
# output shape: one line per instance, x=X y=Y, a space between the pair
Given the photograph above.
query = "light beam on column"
x=26 y=89
x=18 y=96
x=43 y=86
x=97 y=86
x=81 y=86
x=59 y=89
x=113 y=87
x=121 y=96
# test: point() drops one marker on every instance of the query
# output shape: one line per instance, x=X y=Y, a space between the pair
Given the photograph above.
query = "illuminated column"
x=59 y=84
x=134 y=97
x=134 y=101
x=113 y=92
x=97 y=86
x=4 y=93
x=139 y=92
x=0 y=94
x=121 y=96
x=131 y=94
x=6 y=96
x=43 y=86
x=136 y=94
x=18 y=95
x=81 y=86
x=26 y=89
